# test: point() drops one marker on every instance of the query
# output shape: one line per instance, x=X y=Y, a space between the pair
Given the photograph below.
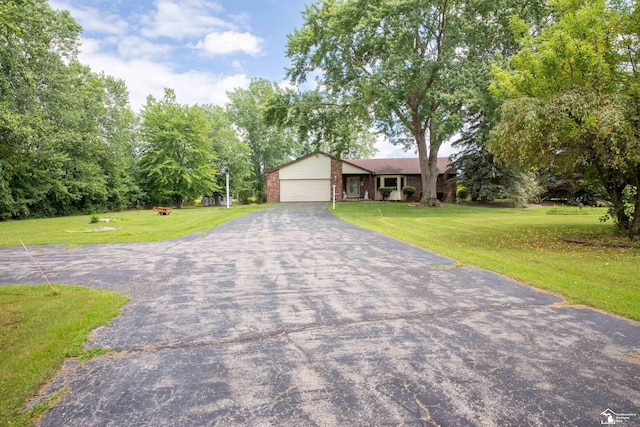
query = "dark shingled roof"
x=403 y=166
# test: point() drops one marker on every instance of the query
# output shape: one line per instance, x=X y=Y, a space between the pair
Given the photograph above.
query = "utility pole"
x=226 y=172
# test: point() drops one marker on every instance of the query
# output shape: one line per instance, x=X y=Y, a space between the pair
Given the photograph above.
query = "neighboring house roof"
x=402 y=166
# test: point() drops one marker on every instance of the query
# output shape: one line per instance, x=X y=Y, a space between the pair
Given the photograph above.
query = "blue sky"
x=200 y=48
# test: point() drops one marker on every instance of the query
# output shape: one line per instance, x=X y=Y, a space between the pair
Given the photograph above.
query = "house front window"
x=391 y=181
x=394 y=181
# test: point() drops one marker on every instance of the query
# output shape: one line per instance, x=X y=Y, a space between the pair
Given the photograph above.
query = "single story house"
x=311 y=179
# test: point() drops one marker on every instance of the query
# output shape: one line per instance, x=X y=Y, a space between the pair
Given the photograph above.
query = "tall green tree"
x=270 y=145
x=405 y=61
x=491 y=40
x=322 y=124
x=75 y=110
x=230 y=152
x=35 y=42
x=177 y=161
x=61 y=148
x=572 y=100
x=487 y=179
x=117 y=132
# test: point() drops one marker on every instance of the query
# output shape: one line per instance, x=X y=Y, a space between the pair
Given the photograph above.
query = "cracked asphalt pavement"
x=289 y=316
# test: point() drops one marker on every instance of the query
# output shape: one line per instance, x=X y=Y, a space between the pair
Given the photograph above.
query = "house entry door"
x=353 y=186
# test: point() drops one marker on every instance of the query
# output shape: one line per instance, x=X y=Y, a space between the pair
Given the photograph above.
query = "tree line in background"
x=537 y=94
x=70 y=142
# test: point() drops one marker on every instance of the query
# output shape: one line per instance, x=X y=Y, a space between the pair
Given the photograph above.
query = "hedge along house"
x=311 y=179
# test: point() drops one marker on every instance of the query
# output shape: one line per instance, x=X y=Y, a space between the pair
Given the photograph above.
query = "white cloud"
x=186 y=18
x=237 y=66
x=230 y=41
x=145 y=77
x=386 y=150
x=93 y=20
x=136 y=47
x=89 y=46
x=389 y=151
x=286 y=84
x=206 y=88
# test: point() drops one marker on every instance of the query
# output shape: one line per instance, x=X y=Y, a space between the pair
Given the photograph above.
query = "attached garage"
x=305 y=190
x=307 y=179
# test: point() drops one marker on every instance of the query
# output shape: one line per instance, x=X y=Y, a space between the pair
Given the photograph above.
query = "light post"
x=335 y=178
x=226 y=172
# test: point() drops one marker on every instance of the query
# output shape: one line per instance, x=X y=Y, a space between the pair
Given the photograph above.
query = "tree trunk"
x=179 y=202
x=615 y=193
x=634 y=226
x=424 y=165
x=428 y=167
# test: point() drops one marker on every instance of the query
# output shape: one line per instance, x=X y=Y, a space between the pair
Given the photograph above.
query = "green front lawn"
x=523 y=244
x=39 y=328
x=129 y=226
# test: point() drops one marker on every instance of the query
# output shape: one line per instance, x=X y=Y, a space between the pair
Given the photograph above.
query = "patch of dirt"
x=497 y=204
x=93 y=230
x=604 y=243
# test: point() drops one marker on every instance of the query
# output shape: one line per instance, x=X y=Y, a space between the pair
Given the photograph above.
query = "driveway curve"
x=289 y=316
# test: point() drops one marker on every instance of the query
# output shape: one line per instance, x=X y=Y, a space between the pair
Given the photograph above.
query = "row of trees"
x=70 y=142
x=65 y=132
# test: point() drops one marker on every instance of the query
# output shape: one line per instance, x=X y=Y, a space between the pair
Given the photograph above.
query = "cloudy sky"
x=199 y=48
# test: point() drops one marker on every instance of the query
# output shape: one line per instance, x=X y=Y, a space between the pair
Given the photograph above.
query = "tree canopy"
x=397 y=60
x=230 y=152
x=321 y=123
x=64 y=130
x=269 y=145
x=177 y=161
x=572 y=98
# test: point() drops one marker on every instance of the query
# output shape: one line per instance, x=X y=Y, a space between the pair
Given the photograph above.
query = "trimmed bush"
x=409 y=190
x=462 y=193
x=386 y=192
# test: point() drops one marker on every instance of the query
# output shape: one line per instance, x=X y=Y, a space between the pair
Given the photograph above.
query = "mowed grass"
x=524 y=244
x=39 y=328
x=128 y=226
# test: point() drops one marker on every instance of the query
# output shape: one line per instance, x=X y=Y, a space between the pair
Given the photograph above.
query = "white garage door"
x=305 y=190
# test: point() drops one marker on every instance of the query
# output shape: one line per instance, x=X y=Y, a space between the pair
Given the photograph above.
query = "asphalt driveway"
x=289 y=316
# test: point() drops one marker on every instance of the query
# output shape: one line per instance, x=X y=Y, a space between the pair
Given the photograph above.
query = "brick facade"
x=414 y=181
x=446 y=191
x=336 y=177
x=273 y=186
x=445 y=187
x=366 y=182
x=369 y=186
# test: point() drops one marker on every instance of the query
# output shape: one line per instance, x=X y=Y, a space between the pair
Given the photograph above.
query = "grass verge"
x=524 y=244
x=39 y=329
x=575 y=210
x=118 y=227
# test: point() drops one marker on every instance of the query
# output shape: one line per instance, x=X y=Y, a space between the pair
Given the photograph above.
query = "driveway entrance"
x=289 y=316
